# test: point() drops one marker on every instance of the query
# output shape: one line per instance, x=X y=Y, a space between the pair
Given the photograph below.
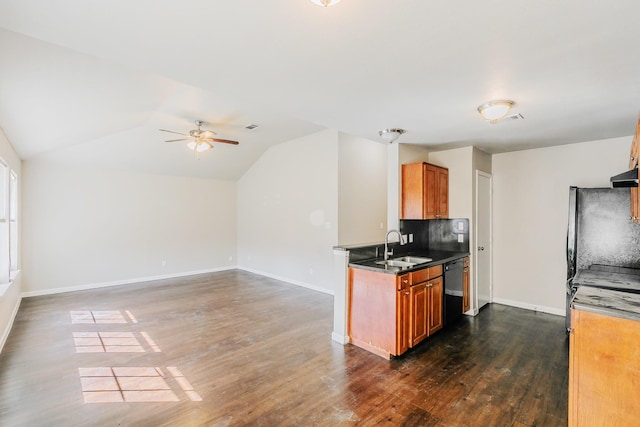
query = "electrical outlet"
x=164 y=263
x=460 y=226
x=405 y=239
x=460 y=238
x=411 y=238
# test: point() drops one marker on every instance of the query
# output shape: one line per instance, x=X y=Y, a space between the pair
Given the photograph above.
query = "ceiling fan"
x=199 y=139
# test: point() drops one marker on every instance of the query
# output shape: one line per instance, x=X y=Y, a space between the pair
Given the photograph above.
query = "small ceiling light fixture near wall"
x=325 y=3
x=390 y=135
x=493 y=111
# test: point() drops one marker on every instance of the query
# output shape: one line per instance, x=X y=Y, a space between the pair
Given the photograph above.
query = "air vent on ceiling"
x=251 y=127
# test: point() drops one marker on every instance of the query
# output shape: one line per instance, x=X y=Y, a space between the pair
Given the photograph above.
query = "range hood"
x=625 y=179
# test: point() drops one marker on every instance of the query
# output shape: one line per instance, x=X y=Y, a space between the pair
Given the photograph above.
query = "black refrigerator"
x=603 y=244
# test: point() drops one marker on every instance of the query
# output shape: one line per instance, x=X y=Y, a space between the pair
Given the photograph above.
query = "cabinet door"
x=403 y=321
x=419 y=313
x=442 y=190
x=603 y=370
x=412 y=191
x=436 y=291
x=430 y=196
x=466 y=295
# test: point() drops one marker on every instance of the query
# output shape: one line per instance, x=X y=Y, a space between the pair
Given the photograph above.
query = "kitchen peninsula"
x=399 y=295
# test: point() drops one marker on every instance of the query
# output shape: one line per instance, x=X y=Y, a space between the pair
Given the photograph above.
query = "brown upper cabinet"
x=633 y=163
x=425 y=191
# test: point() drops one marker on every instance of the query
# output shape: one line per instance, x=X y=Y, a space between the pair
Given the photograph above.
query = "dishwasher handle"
x=453 y=265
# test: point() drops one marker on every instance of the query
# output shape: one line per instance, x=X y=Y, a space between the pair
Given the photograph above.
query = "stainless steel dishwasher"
x=453 y=290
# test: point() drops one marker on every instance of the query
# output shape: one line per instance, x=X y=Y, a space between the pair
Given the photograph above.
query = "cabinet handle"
x=405 y=281
x=429 y=285
x=407 y=293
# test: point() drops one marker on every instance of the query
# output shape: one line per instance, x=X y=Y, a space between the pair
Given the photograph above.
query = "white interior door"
x=483 y=250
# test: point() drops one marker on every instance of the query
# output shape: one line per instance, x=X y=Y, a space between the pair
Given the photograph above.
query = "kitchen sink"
x=405 y=261
x=395 y=263
x=413 y=259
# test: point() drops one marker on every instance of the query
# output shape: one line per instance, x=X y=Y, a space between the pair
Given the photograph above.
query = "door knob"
x=481 y=248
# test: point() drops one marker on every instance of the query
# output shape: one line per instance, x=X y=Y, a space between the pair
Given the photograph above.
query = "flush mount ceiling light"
x=495 y=110
x=325 y=3
x=391 y=135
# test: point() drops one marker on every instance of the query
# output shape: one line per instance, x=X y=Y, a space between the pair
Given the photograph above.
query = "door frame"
x=479 y=174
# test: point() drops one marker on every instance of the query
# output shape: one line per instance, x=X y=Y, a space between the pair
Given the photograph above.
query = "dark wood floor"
x=258 y=352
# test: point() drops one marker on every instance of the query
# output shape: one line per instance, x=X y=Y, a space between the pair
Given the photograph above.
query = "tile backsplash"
x=437 y=234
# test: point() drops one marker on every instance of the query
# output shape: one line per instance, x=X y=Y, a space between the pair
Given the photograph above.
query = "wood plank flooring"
x=257 y=351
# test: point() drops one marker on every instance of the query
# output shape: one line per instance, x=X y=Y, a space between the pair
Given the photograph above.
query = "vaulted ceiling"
x=90 y=82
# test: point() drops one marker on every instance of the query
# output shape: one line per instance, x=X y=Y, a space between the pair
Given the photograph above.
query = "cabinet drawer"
x=425 y=274
x=435 y=271
x=404 y=281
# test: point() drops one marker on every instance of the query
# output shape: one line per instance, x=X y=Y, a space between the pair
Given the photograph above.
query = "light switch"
x=460 y=238
x=460 y=226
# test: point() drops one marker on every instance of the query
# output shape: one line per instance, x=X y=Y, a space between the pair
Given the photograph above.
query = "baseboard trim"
x=532 y=307
x=341 y=339
x=288 y=280
x=123 y=282
x=7 y=330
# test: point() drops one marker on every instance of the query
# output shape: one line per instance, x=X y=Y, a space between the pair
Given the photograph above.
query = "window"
x=3 y=190
x=13 y=221
x=5 y=248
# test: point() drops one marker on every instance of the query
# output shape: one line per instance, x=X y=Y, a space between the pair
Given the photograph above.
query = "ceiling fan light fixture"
x=199 y=146
x=200 y=140
x=495 y=110
x=325 y=3
x=390 y=135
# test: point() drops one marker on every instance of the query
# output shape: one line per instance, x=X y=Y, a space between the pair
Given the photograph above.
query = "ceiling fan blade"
x=170 y=131
x=226 y=141
x=176 y=140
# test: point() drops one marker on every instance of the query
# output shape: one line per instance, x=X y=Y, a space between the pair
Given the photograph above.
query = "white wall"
x=460 y=162
x=288 y=212
x=10 y=290
x=531 y=190
x=84 y=228
x=362 y=198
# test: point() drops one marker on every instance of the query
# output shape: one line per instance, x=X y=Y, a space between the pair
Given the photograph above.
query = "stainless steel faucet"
x=387 y=252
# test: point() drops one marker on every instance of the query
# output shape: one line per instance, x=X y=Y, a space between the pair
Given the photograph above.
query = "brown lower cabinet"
x=604 y=373
x=466 y=286
x=389 y=314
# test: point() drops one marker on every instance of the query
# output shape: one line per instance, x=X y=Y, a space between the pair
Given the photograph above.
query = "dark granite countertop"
x=608 y=280
x=438 y=257
x=608 y=302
